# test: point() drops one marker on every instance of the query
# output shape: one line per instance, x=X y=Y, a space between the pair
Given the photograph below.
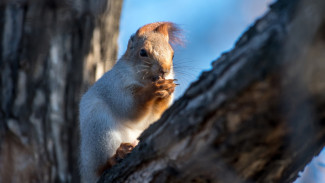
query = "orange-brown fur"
x=154 y=96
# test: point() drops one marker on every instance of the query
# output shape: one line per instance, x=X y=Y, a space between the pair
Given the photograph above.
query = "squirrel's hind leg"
x=121 y=152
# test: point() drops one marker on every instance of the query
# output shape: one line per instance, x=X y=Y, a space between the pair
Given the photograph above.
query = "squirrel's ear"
x=131 y=42
x=169 y=29
x=147 y=28
x=163 y=29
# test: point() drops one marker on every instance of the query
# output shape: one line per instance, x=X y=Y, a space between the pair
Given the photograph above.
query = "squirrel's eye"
x=143 y=53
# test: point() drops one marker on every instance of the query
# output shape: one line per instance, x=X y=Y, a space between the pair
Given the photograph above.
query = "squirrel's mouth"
x=160 y=75
x=155 y=75
x=156 y=78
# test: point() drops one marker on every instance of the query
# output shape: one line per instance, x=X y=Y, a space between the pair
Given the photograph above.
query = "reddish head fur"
x=168 y=29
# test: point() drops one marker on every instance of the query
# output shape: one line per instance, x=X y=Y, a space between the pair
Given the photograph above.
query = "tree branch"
x=258 y=115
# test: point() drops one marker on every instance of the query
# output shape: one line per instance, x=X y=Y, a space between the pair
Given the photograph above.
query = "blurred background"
x=51 y=51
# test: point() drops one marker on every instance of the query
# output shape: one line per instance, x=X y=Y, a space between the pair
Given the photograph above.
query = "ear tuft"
x=169 y=29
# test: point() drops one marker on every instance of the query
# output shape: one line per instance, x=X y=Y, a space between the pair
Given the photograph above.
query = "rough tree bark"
x=258 y=115
x=50 y=51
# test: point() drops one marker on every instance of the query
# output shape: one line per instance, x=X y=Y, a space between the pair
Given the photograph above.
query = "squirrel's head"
x=150 y=51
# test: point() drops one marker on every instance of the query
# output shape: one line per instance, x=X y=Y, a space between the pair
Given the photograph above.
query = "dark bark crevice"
x=45 y=49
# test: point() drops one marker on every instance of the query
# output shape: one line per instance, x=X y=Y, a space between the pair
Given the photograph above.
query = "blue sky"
x=210 y=28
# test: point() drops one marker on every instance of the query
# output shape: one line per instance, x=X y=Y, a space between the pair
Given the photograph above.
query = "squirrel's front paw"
x=164 y=87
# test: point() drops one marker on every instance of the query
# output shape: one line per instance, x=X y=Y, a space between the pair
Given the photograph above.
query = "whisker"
x=141 y=70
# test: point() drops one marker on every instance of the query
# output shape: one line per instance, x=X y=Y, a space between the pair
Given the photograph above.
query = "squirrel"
x=127 y=99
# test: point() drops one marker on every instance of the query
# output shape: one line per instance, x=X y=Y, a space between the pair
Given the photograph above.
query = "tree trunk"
x=50 y=51
x=258 y=115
